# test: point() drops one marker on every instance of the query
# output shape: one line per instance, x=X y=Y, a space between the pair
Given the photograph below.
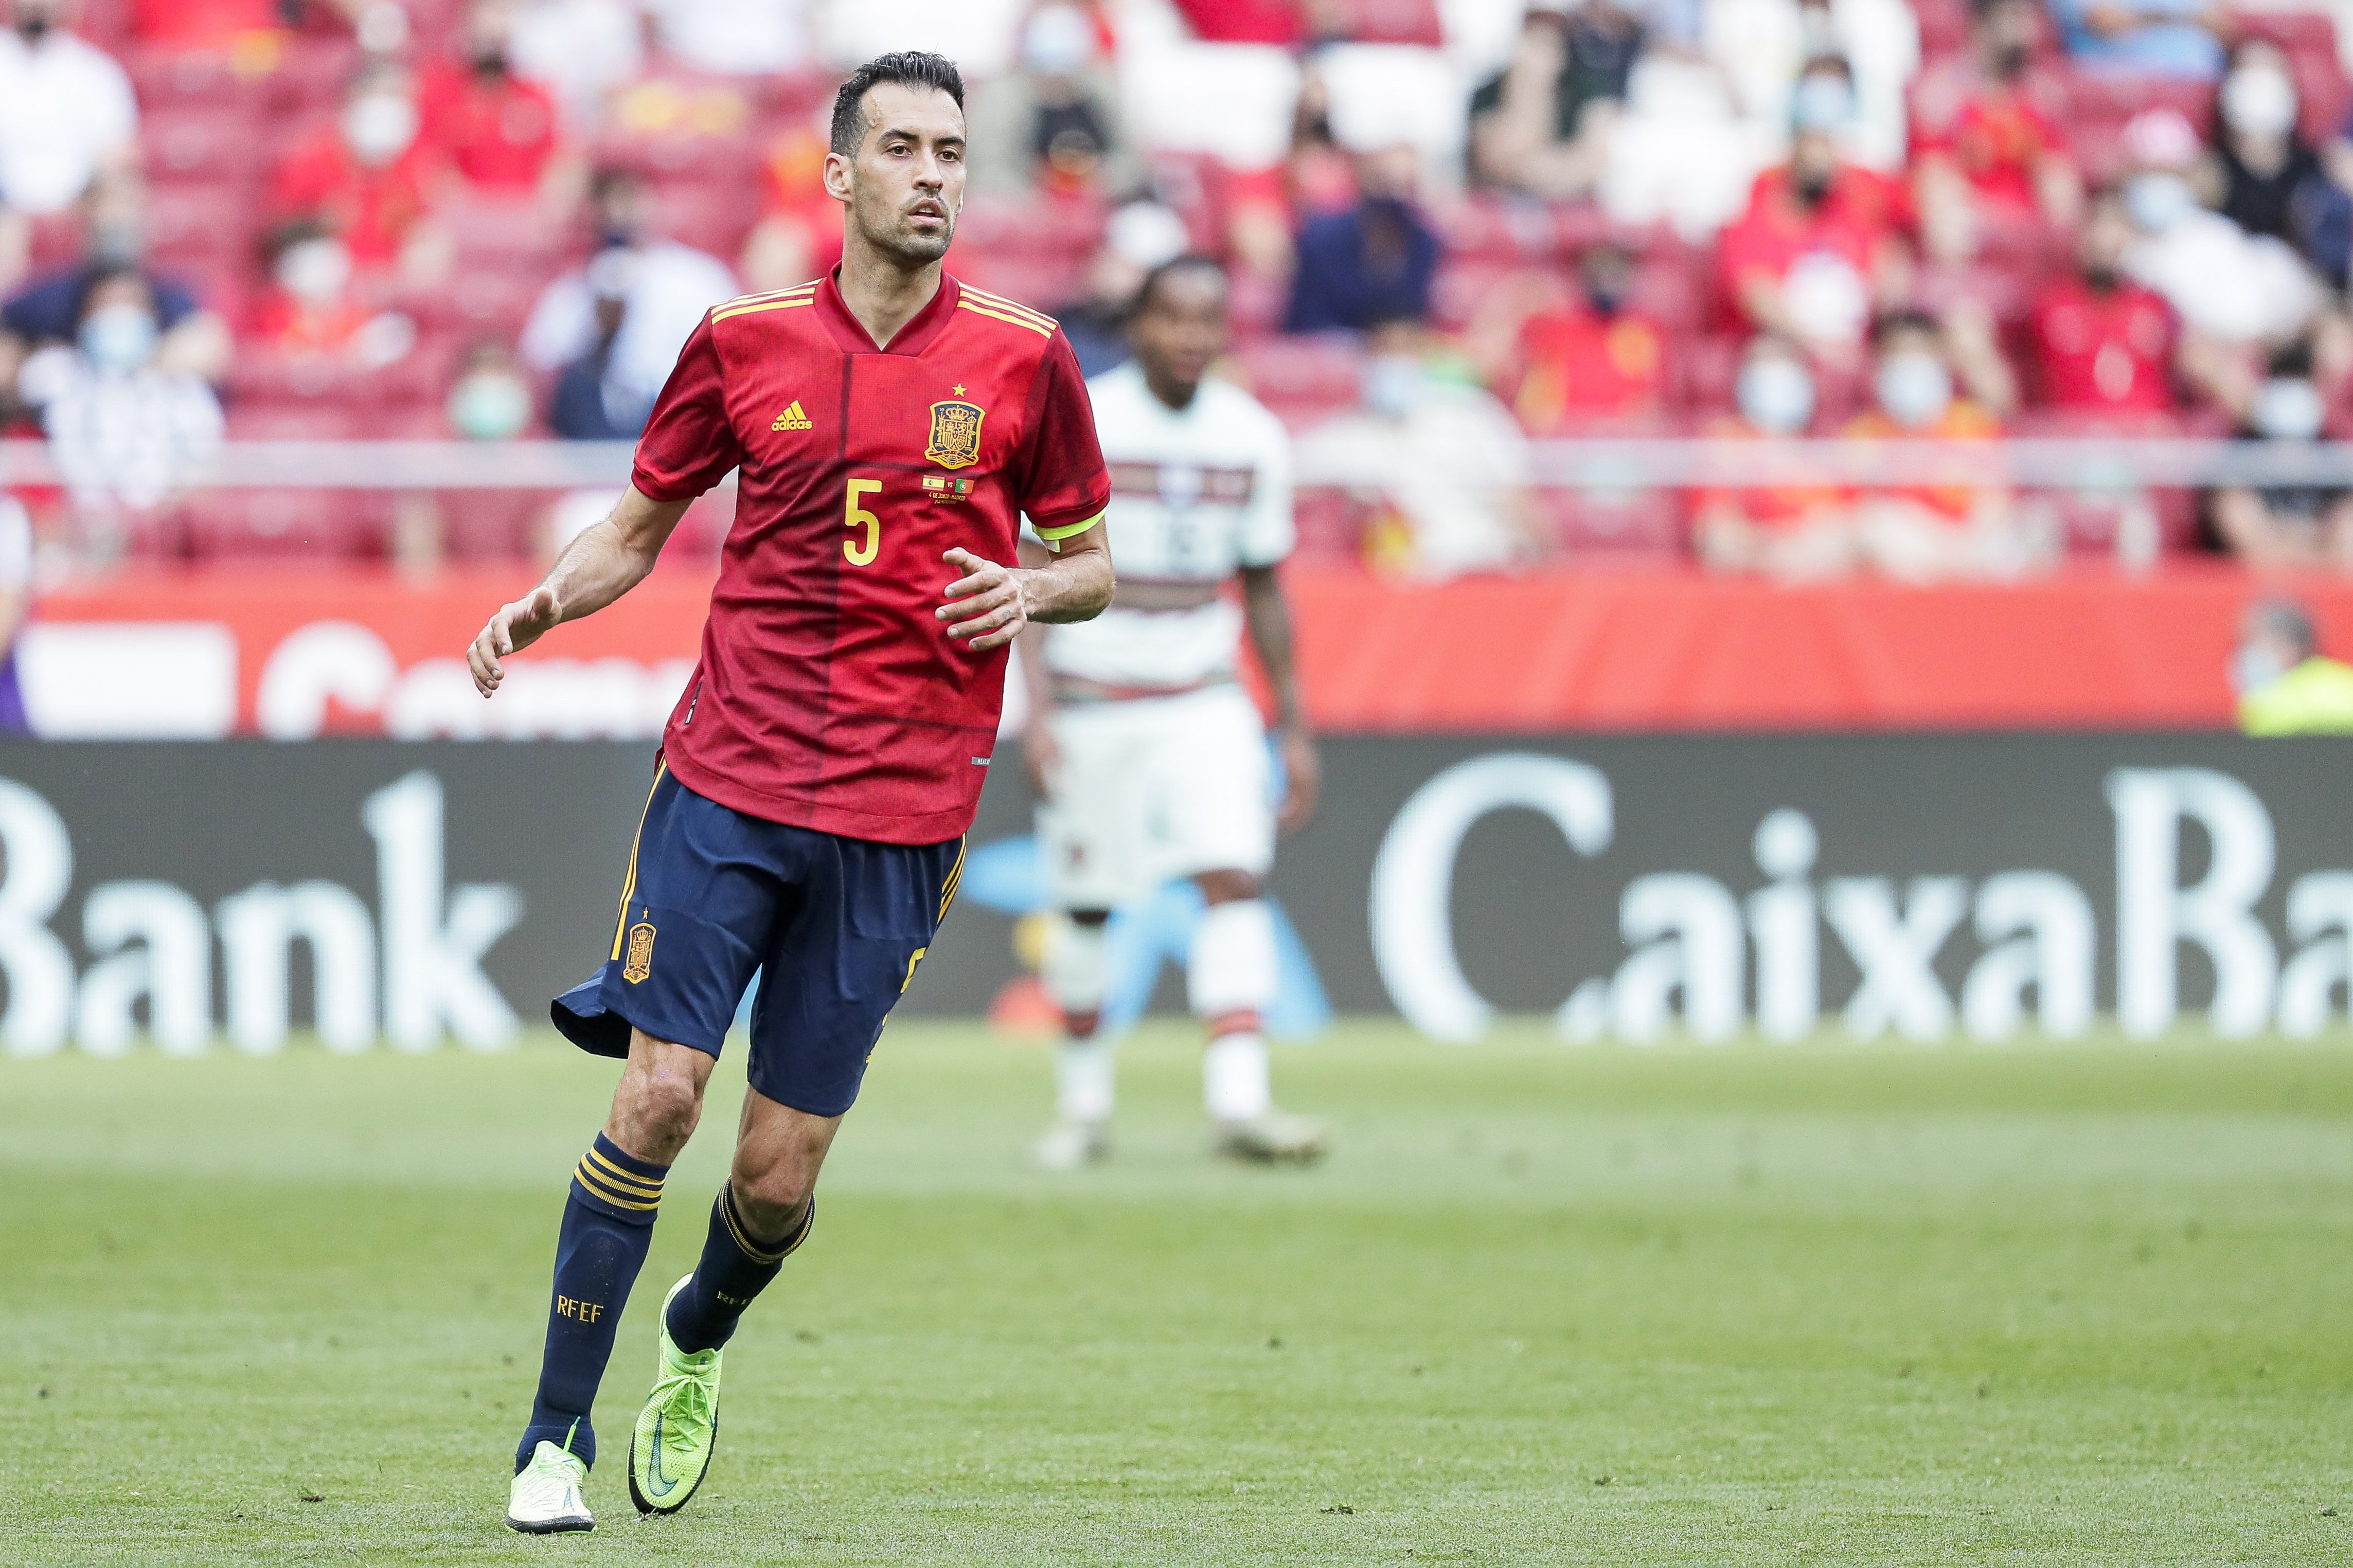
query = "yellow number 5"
x=852 y=514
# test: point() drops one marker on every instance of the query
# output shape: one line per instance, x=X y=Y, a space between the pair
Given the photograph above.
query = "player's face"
x=1179 y=334
x=905 y=185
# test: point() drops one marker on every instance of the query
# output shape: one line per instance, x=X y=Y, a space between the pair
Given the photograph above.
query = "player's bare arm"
x=599 y=566
x=989 y=606
x=1268 y=613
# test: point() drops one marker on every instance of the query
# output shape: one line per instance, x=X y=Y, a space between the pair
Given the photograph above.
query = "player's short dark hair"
x=1191 y=261
x=1892 y=324
x=2286 y=619
x=905 y=68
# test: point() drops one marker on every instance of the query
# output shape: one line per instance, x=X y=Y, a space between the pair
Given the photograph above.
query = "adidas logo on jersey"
x=793 y=419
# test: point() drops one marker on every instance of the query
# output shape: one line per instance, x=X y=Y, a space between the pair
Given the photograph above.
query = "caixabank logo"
x=2168 y=897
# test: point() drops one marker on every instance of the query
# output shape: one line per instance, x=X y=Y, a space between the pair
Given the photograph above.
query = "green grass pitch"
x=2070 y=1306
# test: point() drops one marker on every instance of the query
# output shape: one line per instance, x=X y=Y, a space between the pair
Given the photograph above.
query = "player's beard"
x=905 y=245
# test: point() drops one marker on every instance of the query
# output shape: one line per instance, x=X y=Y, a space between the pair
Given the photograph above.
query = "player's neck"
x=1174 y=395
x=883 y=292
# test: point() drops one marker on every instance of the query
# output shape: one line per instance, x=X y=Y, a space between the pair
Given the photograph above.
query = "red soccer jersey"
x=2110 y=350
x=829 y=695
x=1580 y=365
x=498 y=131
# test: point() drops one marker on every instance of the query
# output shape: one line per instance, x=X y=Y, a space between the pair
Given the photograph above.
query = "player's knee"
x=1227 y=887
x=772 y=1199
x=657 y=1113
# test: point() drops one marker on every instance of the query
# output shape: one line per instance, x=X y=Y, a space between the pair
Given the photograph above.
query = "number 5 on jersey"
x=861 y=551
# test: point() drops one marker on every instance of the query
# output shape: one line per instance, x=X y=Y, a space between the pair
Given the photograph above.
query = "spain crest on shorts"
x=955 y=435
x=640 y=960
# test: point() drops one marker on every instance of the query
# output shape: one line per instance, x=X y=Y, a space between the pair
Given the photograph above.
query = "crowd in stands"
x=1455 y=230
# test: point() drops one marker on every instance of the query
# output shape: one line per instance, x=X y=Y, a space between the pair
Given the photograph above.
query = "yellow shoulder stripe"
x=730 y=312
x=1015 y=306
x=996 y=315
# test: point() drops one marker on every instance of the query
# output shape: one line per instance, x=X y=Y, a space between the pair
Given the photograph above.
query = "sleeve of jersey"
x=1064 y=486
x=689 y=444
x=1268 y=530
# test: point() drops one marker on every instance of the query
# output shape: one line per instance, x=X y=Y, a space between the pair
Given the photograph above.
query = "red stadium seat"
x=2101 y=97
x=491 y=525
x=1384 y=22
x=312 y=73
x=1328 y=521
x=1615 y=521
x=491 y=231
x=1304 y=380
x=288 y=525
x=210 y=226
x=1501 y=233
x=163 y=76
x=185 y=143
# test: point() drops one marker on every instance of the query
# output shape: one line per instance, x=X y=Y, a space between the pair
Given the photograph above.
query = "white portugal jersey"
x=1197 y=494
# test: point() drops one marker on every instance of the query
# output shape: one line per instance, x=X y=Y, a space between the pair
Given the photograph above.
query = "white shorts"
x=1155 y=788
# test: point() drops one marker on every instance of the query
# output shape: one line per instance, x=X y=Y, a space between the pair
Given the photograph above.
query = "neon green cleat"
x=670 y=1452
x=545 y=1498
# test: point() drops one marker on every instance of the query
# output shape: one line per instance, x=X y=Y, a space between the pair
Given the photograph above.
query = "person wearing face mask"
x=1375 y=261
x=2102 y=343
x=1923 y=532
x=2285 y=684
x=1598 y=356
x=498 y=131
x=369 y=177
x=124 y=433
x=2267 y=170
x=1051 y=123
x=490 y=401
x=1542 y=127
x=49 y=309
x=2286 y=526
x=2235 y=288
x=312 y=309
x=1796 y=531
x=1989 y=147
x=1822 y=239
x=67 y=112
x=1441 y=465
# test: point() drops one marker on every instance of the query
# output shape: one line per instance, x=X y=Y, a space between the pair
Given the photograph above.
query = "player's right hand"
x=515 y=628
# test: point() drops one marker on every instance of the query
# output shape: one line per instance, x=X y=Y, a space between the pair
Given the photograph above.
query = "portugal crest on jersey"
x=955 y=435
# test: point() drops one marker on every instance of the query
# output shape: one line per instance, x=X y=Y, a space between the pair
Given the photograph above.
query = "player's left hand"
x=1303 y=773
x=989 y=605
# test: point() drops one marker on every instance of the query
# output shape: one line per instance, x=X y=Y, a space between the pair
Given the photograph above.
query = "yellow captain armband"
x=1053 y=537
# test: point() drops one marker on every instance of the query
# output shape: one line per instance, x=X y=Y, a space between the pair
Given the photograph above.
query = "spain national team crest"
x=640 y=961
x=956 y=434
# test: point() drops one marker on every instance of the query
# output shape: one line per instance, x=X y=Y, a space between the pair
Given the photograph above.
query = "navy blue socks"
x=608 y=1223
x=735 y=1266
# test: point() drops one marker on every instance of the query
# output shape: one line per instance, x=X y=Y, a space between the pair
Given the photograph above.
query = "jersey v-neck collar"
x=913 y=339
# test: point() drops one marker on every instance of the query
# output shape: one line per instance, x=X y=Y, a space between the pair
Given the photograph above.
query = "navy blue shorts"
x=834 y=927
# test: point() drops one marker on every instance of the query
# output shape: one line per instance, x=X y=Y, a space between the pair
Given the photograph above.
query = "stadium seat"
x=491 y=525
x=204 y=79
x=490 y=231
x=185 y=143
x=312 y=73
x=1303 y=380
x=1383 y=22
x=1328 y=522
x=1614 y=521
x=208 y=226
x=289 y=524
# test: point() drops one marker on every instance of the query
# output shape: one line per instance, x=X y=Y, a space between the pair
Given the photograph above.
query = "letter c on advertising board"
x=1411 y=907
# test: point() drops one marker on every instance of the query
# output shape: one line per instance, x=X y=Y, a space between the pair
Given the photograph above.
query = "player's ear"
x=837 y=176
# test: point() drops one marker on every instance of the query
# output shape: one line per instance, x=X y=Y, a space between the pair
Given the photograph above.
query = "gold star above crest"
x=957 y=390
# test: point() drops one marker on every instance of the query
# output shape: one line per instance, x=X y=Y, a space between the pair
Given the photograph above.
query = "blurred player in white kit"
x=1147 y=752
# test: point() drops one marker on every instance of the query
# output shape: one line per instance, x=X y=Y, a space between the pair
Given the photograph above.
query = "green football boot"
x=670 y=1452
x=544 y=1497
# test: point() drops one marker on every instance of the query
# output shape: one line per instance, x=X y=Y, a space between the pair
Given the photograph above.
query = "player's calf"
x=1077 y=976
x=1231 y=981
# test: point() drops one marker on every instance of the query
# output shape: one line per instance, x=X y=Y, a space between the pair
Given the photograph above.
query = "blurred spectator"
x=1543 y=126
x=2270 y=176
x=1925 y=533
x=800 y=237
x=16 y=605
x=1373 y=262
x=48 y=309
x=490 y=401
x=123 y=432
x=1049 y=124
x=1988 y=145
x=1140 y=236
x=577 y=49
x=613 y=328
x=734 y=38
x=1793 y=530
x=1441 y=463
x=2286 y=526
x=1763 y=47
x=2102 y=343
x=204 y=24
x=2236 y=286
x=2144 y=37
x=369 y=178
x=1821 y=244
x=67 y=113
x=1591 y=357
x=2285 y=685
x=497 y=129
x=1680 y=149
x=313 y=310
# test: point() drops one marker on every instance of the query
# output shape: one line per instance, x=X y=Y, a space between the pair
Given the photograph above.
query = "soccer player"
x=821 y=768
x=1149 y=755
